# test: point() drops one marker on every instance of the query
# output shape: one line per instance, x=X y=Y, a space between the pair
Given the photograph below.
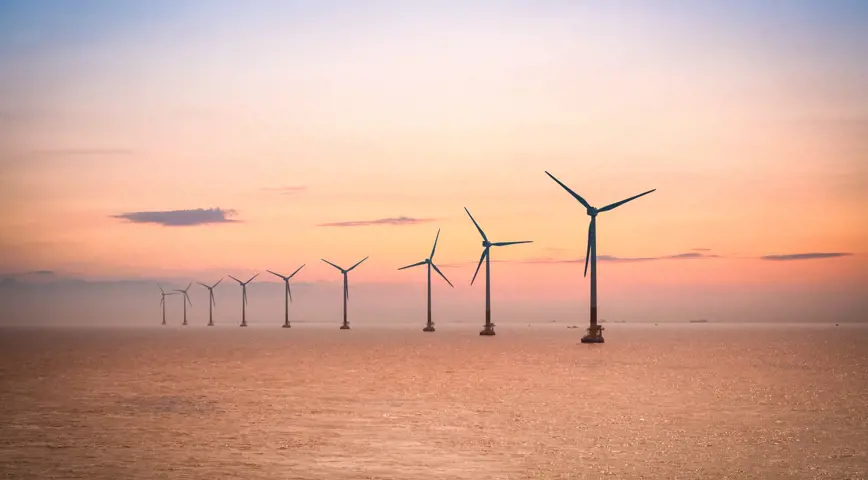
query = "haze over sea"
x=669 y=401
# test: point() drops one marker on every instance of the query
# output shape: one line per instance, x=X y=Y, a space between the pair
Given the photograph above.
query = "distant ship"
x=699 y=321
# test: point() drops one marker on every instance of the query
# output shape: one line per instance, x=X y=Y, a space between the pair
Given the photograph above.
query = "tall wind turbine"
x=595 y=332
x=346 y=325
x=287 y=296
x=244 y=297
x=489 y=327
x=186 y=299
x=211 y=303
x=163 y=296
x=430 y=262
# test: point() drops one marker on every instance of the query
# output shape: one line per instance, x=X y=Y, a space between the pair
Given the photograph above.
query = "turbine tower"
x=163 y=296
x=430 y=262
x=595 y=332
x=186 y=299
x=211 y=303
x=287 y=297
x=244 y=297
x=489 y=327
x=346 y=325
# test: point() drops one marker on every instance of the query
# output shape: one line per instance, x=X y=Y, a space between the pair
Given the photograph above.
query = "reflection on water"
x=686 y=401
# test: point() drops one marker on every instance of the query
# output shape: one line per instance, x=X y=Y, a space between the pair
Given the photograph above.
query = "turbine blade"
x=414 y=265
x=289 y=292
x=218 y=282
x=296 y=271
x=233 y=278
x=357 y=264
x=161 y=289
x=332 y=264
x=346 y=289
x=162 y=300
x=617 y=204
x=276 y=274
x=477 y=225
x=590 y=240
x=187 y=297
x=435 y=245
x=206 y=286
x=244 y=294
x=213 y=302
x=574 y=194
x=251 y=278
x=188 y=286
x=484 y=253
x=503 y=244
x=441 y=274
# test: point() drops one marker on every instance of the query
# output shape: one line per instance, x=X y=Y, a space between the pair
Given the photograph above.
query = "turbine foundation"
x=243 y=324
x=595 y=335
x=345 y=327
x=487 y=331
x=210 y=324
x=286 y=325
x=428 y=328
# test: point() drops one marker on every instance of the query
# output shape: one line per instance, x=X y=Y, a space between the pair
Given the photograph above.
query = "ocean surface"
x=685 y=401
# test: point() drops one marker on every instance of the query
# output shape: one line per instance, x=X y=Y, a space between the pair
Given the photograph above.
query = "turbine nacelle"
x=592 y=212
x=486 y=244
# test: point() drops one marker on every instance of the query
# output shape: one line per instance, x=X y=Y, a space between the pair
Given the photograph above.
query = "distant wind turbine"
x=346 y=325
x=186 y=300
x=489 y=327
x=244 y=297
x=211 y=303
x=287 y=297
x=595 y=332
x=163 y=296
x=430 y=262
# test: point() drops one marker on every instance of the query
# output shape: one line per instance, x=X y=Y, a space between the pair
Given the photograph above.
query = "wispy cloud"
x=804 y=256
x=701 y=249
x=180 y=218
x=85 y=152
x=291 y=190
x=40 y=273
x=397 y=221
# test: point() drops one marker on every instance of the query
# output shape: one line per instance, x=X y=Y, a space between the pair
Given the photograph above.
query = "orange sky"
x=756 y=144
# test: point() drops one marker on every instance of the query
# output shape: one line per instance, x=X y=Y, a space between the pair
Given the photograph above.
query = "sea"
x=667 y=401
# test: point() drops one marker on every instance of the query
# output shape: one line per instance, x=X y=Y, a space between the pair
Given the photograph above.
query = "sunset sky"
x=344 y=129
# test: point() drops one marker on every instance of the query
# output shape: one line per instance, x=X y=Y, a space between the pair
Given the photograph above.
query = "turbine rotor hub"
x=486 y=243
x=592 y=211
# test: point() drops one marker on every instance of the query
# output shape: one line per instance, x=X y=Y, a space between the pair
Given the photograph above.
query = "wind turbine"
x=595 y=332
x=489 y=327
x=346 y=325
x=163 y=296
x=430 y=262
x=287 y=297
x=186 y=299
x=211 y=303
x=244 y=297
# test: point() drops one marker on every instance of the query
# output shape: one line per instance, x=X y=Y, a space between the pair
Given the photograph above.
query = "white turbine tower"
x=212 y=303
x=430 y=262
x=186 y=300
x=595 y=332
x=244 y=297
x=163 y=296
x=489 y=327
x=287 y=296
x=346 y=325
